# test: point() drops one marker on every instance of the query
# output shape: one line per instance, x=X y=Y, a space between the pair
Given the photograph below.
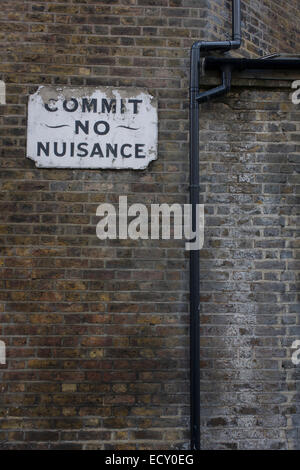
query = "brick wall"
x=249 y=266
x=97 y=333
x=268 y=26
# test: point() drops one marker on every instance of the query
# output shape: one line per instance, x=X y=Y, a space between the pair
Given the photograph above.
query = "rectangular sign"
x=85 y=127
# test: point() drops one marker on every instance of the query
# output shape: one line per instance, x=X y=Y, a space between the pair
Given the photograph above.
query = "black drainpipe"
x=194 y=200
x=226 y=65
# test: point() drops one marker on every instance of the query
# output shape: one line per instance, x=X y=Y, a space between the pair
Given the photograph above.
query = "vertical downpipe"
x=194 y=200
x=194 y=254
x=236 y=24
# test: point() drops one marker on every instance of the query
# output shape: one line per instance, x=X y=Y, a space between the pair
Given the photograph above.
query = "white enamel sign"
x=87 y=127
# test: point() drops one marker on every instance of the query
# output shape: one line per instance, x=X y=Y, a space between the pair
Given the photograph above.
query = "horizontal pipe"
x=211 y=63
x=222 y=46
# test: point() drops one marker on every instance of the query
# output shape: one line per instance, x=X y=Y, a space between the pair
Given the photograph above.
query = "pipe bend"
x=236 y=38
x=196 y=45
x=236 y=44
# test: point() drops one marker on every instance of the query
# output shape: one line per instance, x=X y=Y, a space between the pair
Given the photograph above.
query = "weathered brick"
x=97 y=334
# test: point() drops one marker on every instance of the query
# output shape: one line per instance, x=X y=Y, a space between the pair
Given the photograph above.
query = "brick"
x=97 y=333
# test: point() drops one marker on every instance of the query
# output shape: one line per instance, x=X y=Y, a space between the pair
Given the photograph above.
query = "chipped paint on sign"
x=86 y=127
